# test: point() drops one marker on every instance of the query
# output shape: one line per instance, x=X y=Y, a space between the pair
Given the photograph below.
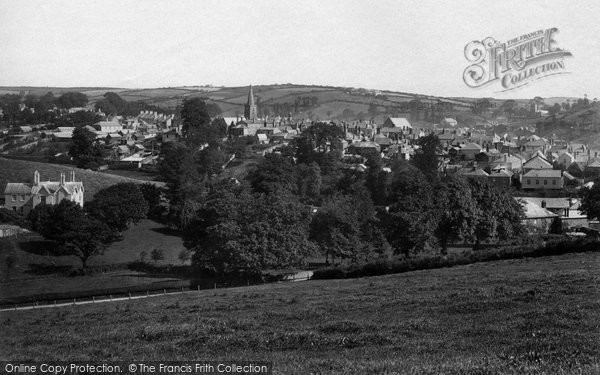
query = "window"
x=545 y=182
x=537 y=182
x=15 y=208
x=528 y=182
x=43 y=199
x=14 y=198
x=553 y=182
x=21 y=209
x=22 y=197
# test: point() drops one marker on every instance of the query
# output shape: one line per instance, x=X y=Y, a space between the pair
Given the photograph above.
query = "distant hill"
x=303 y=101
x=22 y=171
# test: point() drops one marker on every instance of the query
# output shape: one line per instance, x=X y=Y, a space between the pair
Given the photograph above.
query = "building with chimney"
x=23 y=197
x=250 y=109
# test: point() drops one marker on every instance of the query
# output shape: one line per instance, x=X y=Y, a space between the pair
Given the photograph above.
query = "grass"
x=12 y=170
x=37 y=274
x=534 y=316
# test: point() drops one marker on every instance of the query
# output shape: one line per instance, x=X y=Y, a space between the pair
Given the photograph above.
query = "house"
x=396 y=122
x=469 y=151
x=364 y=146
x=487 y=157
x=109 y=126
x=577 y=169
x=23 y=197
x=543 y=179
x=501 y=179
x=507 y=162
x=536 y=219
x=473 y=173
x=567 y=209
x=536 y=162
x=448 y=122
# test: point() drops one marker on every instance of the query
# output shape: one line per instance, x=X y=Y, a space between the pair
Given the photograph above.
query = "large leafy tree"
x=118 y=206
x=498 y=215
x=275 y=174
x=411 y=218
x=84 y=148
x=458 y=212
x=240 y=231
x=197 y=126
x=68 y=225
x=427 y=155
x=590 y=201
x=72 y=99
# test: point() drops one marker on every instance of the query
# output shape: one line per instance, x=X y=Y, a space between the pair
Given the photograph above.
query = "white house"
x=22 y=197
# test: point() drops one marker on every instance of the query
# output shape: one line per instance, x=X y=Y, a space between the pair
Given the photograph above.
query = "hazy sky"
x=413 y=46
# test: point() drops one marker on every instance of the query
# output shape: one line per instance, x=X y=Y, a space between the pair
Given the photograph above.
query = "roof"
x=537 y=162
x=533 y=211
x=550 y=202
x=365 y=144
x=548 y=173
x=471 y=146
x=477 y=172
x=399 y=122
x=502 y=173
x=17 y=188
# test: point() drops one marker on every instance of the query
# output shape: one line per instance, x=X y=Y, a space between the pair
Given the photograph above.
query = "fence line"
x=88 y=300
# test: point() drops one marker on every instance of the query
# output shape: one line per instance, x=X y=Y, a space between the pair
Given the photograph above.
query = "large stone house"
x=23 y=197
x=543 y=179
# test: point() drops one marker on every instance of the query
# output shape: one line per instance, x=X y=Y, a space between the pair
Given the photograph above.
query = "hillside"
x=321 y=102
x=529 y=316
x=22 y=171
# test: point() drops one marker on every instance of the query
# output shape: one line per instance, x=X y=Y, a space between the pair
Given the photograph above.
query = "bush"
x=553 y=245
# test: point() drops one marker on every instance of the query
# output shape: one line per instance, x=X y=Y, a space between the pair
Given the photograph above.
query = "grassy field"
x=529 y=316
x=37 y=273
x=22 y=171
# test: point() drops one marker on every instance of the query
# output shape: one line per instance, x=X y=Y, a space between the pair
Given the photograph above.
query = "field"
x=22 y=171
x=529 y=316
x=36 y=273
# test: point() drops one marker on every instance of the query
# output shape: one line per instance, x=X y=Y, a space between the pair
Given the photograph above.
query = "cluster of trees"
x=304 y=201
x=86 y=231
x=38 y=109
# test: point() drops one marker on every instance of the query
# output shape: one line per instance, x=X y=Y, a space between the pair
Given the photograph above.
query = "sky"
x=409 y=46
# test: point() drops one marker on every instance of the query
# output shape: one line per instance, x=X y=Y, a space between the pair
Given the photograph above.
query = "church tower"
x=250 y=110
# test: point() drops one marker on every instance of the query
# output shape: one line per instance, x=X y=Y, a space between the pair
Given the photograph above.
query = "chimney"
x=36 y=178
x=62 y=178
x=543 y=204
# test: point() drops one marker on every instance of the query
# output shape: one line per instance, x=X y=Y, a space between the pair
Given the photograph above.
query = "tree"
x=412 y=217
x=210 y=160
x=197 y=127
x=177 y=168
x=426 y=156
x=72 y=99
x=184 y=256
x=275 y=174
x=77 y=234
x=457 y=211
x=590 y=200
x=153 y=196
x=157 y=255
x=118 y=206
x=240 y=231
x=84 y=148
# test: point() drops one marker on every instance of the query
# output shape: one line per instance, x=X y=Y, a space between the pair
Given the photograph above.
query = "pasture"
x=527 y=316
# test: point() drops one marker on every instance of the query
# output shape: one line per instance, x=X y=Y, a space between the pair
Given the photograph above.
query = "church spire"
x=250 y=97
x=250 y=109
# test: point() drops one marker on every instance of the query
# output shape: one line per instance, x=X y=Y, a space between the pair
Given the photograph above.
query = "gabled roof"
x=537 y=162
x=533 y=211
x=399 y=122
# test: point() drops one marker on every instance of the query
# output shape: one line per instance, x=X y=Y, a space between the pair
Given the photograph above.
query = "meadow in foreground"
x=529 y=316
